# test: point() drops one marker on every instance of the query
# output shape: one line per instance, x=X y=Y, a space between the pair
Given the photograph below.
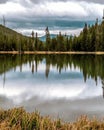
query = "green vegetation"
x=90 y=39
x=19 y=119
x=12 y=41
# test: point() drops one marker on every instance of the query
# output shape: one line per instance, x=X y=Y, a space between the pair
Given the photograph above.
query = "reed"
x=19 y=119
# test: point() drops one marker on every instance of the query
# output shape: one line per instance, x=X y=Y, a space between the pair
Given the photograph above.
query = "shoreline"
x=52 y=52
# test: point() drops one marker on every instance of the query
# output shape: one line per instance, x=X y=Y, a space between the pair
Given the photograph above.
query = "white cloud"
x=71 y=9
x=11 y=8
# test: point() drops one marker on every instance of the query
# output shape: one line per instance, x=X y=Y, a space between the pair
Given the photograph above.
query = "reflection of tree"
x=20 y=62
x=47 y=70
x=47 y=66
x=36 y=64
x=103 y=87
x=32 y=68
x=4 y=77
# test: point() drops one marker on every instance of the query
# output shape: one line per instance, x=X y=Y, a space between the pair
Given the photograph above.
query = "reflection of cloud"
x=67 y=110
x=5 y=102
x=25 y=88
x=69 y=84
x=21 y=86
x=65 y=91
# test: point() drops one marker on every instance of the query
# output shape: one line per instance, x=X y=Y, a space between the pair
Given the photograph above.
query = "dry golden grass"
x=19 y=119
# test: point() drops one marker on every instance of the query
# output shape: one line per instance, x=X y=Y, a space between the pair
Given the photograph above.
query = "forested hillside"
x=90 y=39
x=10 y=40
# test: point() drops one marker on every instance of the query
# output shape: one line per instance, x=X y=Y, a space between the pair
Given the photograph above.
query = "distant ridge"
x=43 y=38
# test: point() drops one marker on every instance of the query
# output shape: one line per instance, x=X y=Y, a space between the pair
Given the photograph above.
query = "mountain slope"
x=11 y=40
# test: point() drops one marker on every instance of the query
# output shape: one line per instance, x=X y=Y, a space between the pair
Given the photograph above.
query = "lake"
x=65 y=86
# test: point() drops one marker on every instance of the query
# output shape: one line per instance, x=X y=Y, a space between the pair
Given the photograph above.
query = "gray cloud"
x=43 y=1
x=93 y=1
x=69 y=9
x=3 y=1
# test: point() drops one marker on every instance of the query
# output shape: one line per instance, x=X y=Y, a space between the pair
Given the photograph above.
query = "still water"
x=64 y=86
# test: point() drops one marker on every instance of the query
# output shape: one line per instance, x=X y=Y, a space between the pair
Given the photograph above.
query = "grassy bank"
x=19 y=119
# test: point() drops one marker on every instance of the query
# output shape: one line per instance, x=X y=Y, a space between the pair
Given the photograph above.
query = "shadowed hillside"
x=7 y=31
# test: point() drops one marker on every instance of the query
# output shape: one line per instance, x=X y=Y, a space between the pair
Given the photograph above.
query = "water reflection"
x=4 y=78
x=37 y=81
x=72 y=69
x=103 y=87
x=89 y=65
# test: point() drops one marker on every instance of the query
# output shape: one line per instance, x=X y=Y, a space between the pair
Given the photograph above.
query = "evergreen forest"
x=91 y=38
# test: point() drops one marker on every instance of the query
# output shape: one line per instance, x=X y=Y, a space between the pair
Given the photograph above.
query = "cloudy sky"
x=23 y=9
x=31 y=10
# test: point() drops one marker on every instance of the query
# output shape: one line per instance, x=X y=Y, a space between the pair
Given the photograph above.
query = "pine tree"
x=32 y=46
x=93 y=38
x=47 y=39
x=102 y=43
x=84 y=38
x=36 y=41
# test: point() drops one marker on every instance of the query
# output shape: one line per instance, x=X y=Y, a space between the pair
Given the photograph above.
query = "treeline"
x=90 y=39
